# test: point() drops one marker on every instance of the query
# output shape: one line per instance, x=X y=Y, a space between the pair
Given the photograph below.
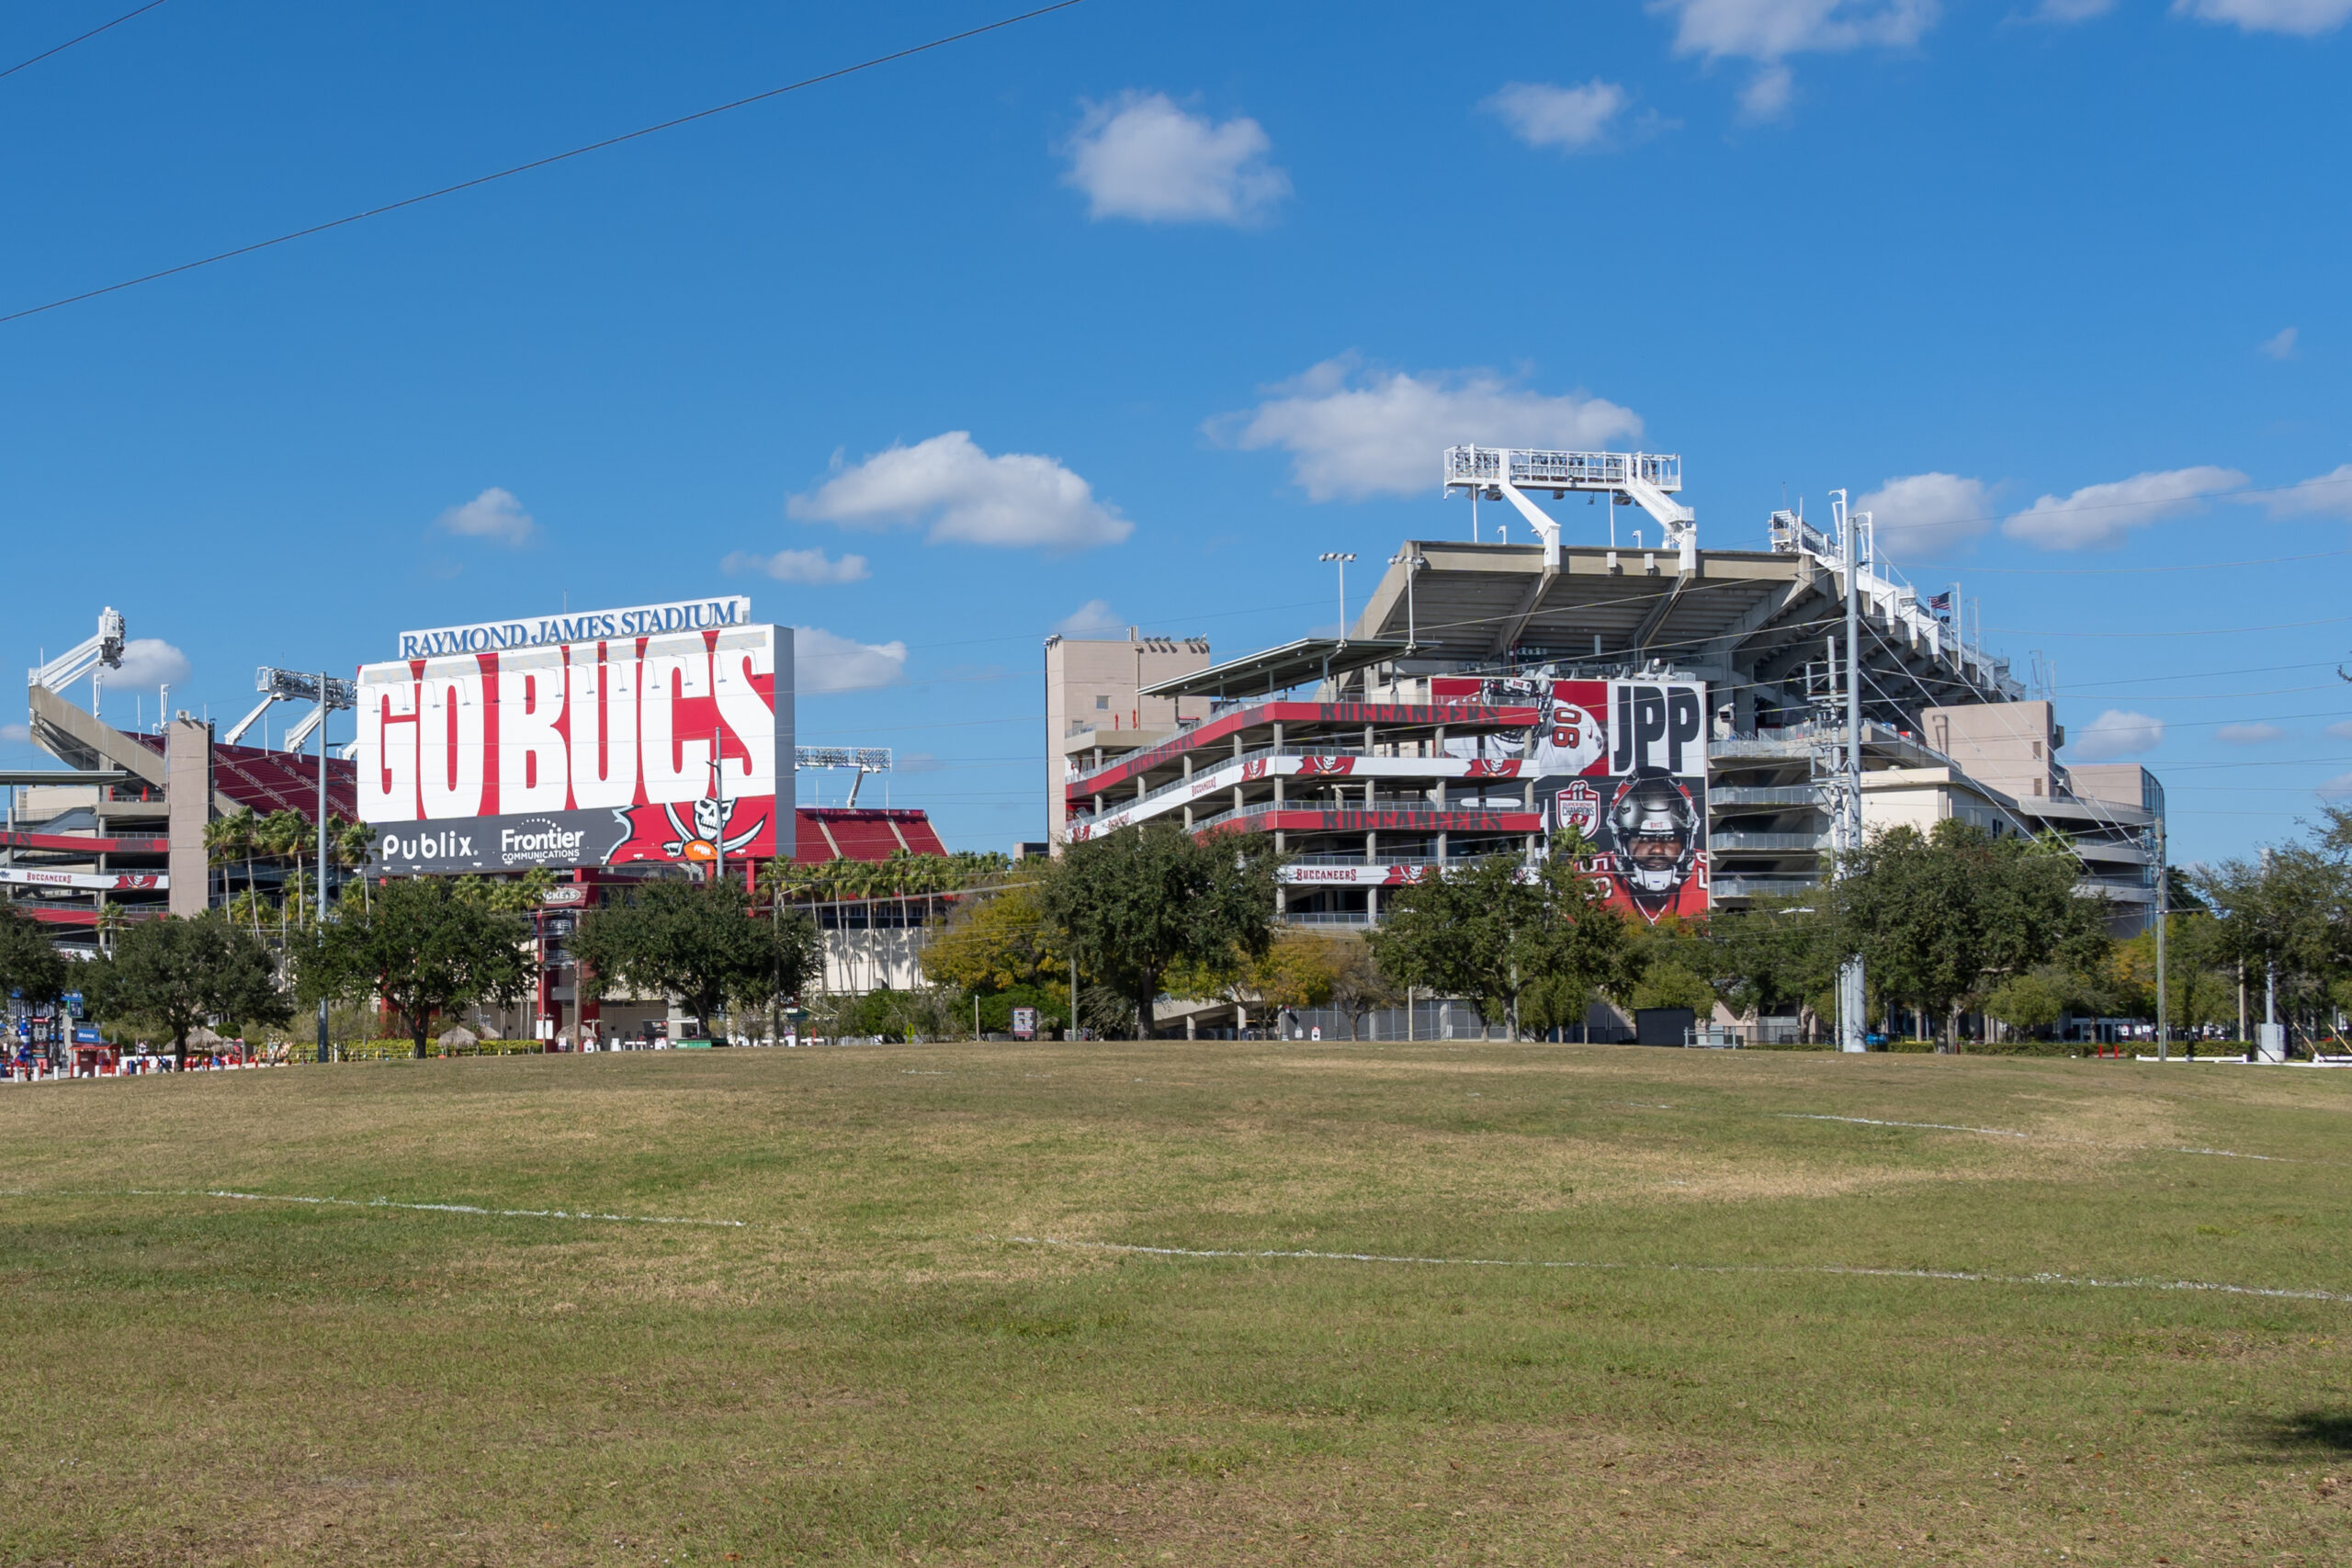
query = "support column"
x=188 y=798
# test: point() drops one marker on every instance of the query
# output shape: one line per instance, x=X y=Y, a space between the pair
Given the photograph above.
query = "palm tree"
x=284 y=835
x=232 y=838
x=111 y=919
x=349 y=843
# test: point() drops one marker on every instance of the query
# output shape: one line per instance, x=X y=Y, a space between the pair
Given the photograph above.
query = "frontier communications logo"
x=537 y=842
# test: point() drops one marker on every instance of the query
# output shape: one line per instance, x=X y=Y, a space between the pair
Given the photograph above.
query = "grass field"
x=873 y=1366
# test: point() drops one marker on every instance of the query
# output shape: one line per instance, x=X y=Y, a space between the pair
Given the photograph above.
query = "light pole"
x=1343 y=558
x=719 y=794
x=1412 y=561
x=330 y=694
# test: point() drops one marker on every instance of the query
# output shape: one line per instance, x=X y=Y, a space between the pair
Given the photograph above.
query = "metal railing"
x=1763 y=794
x=1780 y=841
x=1538 y=469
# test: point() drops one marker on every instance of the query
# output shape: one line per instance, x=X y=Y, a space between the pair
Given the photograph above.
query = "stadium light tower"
x=1646 y=479
x=329 y=693
x=1412 y=561
x=90 y=657
x=1343 y=558
x=864 y=758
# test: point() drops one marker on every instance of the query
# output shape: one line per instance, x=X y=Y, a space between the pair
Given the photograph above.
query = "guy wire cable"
x=582 y=151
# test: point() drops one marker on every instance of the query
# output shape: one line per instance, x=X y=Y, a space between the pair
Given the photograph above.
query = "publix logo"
x=426 y=846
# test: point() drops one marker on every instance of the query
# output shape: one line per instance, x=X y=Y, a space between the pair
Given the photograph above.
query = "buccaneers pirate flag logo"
x=658 y=832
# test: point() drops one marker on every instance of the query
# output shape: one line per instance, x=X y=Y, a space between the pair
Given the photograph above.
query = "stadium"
x=1692 y=713
x=1492 y=693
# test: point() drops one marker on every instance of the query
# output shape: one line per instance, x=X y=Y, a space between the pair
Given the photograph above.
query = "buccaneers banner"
x=674 y=747
x=1624 y=763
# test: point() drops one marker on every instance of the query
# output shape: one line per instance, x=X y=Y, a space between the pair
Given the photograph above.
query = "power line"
x=2207 y=674
x=85 y=37
x=542 y=163
x=2176 y=631
x=2129 y=570
x=2234 y=492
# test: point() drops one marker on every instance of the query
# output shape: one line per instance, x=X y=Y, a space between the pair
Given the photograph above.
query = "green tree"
x=1529 y=949
x=700 y=942
x=1668 y=965
x=2200 y=973
x=995 y=943
x=426 y=945
x=181 y=972
x=2029 y=1003
x=30 y=962
x=2290 y=913
x=1297 y=970
x=1136 y=903
x=1360 y=988
x=1772 y=957
x=1941 y=918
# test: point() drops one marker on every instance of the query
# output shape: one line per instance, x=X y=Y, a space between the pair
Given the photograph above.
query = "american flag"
x=1942 y=602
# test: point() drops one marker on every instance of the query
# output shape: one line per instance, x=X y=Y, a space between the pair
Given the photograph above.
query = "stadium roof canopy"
x=1280 y=669
x=1762 y=614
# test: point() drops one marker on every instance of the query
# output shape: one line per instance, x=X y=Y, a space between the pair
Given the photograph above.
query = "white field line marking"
x=383 y=1203
x=2048 y=1137
x=2079 y=1282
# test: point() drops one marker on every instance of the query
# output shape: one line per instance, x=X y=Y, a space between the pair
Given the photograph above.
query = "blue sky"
x=1127 y=313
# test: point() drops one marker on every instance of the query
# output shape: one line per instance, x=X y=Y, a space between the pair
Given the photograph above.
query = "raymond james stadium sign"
x=585 y=625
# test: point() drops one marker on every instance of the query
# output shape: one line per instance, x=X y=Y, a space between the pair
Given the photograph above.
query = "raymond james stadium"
x=1714 y=723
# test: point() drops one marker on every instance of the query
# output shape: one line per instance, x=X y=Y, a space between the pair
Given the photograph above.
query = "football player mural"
x=1622 y=762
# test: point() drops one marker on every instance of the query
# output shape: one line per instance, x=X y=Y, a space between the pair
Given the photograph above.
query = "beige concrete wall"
x=861 y=961
x=1921 y=798
x=1097 y=683
x=2119 y=783
x=2013 y=747
x=188 y=794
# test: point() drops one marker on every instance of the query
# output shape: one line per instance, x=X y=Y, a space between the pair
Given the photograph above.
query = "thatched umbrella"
x=203 y=1039
x=458 y=1036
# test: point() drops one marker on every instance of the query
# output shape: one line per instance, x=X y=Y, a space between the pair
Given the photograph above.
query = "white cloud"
x=493 y=514
x=148 y=663
x=797 y=566
x=1012 y=500
x=1141 y=156
x=2304 y=19
x=2062 y=12
x=2338 y=787
x=1573 y=119
x=1094 y=615
x=2281 y=343
x=2340 y=730
x=2249 y=734
x=1353 y=433
x=2101 y=514
x=2329 y=495
x=15 y=734
x=1767 y=94
x=1927 y=514
x=1769 y=31
x=824 y=662
x=2114 y=734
